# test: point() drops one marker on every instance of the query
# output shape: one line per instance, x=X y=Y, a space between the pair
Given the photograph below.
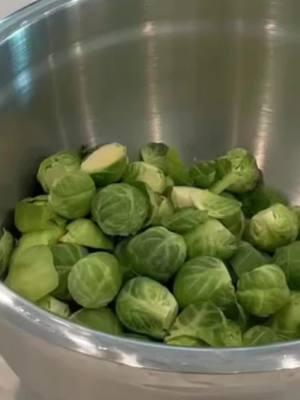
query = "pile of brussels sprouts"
x=200 y=256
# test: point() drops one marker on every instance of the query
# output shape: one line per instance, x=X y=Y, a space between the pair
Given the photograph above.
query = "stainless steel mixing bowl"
x=204 y=75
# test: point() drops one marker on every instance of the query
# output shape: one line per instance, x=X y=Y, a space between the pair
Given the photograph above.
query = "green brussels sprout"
x=274 y=227
x=71 y=195
x=204 y=174
x=102 y=320
x=120 y=209
x=211 y=239
x=145 y=306
x=6 y=249
x=95 y=280
x=260 y=335
x=204 y=279
x=56 y=166
x=263 y=291
x=235 y=223
x=152 y=176
x=286 y=322
x=157 y=253
x=287 y=259
x=186 y=341
x=216 y=206
x=36 y=214
x=184 y=220
x=47 y=237
x=54 y=306
x=160 y=207
x=86 y=233
x=205 y=322
x=124 y=260
x=235 y=312
x=242 y=175
x=247 y=258
x=32 y=273
x=107 y=164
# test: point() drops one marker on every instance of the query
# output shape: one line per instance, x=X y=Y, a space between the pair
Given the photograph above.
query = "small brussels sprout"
x=145 y=306
x=247 y=258
x=152 y=176
x=54 y=306
x=86 y=233
x=235 y=223
x=71 y=195
x=124 y=260
x=288 y=258
x=102 y=320
x=274 y=227
x=157 y=253
x=263 y=291
x=186 y=341
x=56 y=166
x=6 y=249
x=107 y=164
x=216 y=206
x=36 y=214
x=211 y=239
x=120 y=209
x=260 y=335
x=184 y=220
x=286 y=322
x=32 y=273
x=47 y=237
x=160 y=207
x=204 y=279
x=95 y=280
x=204 y=174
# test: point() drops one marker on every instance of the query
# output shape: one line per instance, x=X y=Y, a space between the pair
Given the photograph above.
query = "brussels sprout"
x=186 y=341
x=288 y=258
x=203 y=279
x=145 y=306
x=46 y=237
x=211 y=239
x=260 y=335
x=235 y=312
x=157 y=253
x=204 y=174
x=32 y=273
x=102 y=319
x=124 y=260
x=205 y=322
x=107 y=164
x=152 y=176
x=274 y=227
x=242 y=175
x=54 y=306
x=86 y=233
x=120 y=209
x=6 y=248
x=286 y=322
x=71 y=195
x=35 y=214
x=216 y=206
x=247 y=258
x=235 y=223
x=95 y=280
x=160 y=207
x=56 y=166
x=263 y=291
x=184 y=220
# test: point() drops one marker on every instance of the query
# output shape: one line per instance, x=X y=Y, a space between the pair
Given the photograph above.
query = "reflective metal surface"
x=204 y=75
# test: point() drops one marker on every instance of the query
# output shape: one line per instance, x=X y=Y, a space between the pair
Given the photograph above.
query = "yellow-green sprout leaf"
x=184 y=220
x=102 y=320
x=46 y=237
x=260 y=335
x=152 y=176
x=54 y=306
x=6 y=249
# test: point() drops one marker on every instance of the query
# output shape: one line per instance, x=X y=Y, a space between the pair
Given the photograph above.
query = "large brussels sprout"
x=71 y=195
x=145 y=306
x=204 y=279
x=204 y=174
x=35 y=214
x=288 y=258
x=260 y=335
x=6 y=248
x=211 y=239
x=286 y=322
x=102 y=319
x=54 y=306
x=32 y=273
x=157 y=253
x=95 y=280
x=184 y=220
x=47 y=237
x=274 y=227
x=263 y=291
x=106 y=164
x=124 y=260
x=152 y=176
x=120 y=209
x=86 y=233
x=56 y=166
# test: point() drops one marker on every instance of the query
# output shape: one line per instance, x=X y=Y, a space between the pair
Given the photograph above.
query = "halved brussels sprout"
x=85 y=232
x=145 y=306
x=263 y=291
x=54 y=306
x=274 y=227
x=6 y=249
x=184 y=220
x=204 y=174
x=204 y=279
x=288 y=258
x=260 y=335
x=95 y=280
x=286 y=322
x=107 y=164
x=102 y=320
x=56 y=166
x=152 y=176
x=157 y=253
x=71 y=195
x=211 y=239
x=120 y=209
x=47 y=237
